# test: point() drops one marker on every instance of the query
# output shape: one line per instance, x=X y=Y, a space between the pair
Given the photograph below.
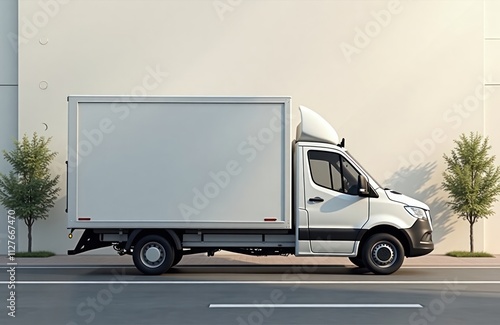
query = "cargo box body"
x=179 y=162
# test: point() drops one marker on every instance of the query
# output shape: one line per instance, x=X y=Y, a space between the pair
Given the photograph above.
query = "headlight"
x=416 y=212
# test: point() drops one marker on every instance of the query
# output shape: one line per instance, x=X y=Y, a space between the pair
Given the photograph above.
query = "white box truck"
x=163 y=177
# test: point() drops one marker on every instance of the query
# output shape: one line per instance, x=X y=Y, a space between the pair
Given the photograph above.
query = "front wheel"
x=383 y=254
x=153 y=255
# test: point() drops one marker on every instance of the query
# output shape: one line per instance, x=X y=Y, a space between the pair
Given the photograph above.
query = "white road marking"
x=257 y=282
x=315 y=306
x=73 y=267
x=235 y=265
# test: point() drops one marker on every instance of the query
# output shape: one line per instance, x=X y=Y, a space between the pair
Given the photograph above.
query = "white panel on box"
x=182 y=163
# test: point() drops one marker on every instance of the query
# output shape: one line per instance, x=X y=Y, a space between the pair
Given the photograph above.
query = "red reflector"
x=270 y=219
x=83 y=219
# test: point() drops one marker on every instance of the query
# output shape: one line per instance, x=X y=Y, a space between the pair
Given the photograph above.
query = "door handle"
x=316 y=199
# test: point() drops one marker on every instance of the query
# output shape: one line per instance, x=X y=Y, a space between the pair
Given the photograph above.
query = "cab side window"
x=332 y=171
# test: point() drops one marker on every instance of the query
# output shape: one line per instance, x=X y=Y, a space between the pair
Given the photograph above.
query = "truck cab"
x=341 y=210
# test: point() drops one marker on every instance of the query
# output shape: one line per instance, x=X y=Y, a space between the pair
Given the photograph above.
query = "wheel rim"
x=384 y=254
x=152 y=254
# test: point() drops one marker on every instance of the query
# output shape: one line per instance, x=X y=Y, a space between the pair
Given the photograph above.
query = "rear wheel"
x=153 y=255
x=383 y=254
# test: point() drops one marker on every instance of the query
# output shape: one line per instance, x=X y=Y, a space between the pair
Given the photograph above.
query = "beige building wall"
x=398 y=79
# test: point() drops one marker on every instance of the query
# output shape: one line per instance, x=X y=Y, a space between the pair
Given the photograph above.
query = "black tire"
x=153 y=255
x=178 y=257
x=383 y=254
x=358 y=261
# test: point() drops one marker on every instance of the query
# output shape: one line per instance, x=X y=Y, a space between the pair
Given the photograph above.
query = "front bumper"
x=419 y=238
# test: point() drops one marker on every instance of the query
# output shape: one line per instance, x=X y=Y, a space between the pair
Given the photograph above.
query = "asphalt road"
x=252 y=295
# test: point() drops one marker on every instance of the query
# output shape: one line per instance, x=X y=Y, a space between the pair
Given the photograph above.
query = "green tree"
x=472 y=180
x=29 y=189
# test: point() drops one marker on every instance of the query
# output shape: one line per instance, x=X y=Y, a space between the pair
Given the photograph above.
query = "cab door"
x=335 y=211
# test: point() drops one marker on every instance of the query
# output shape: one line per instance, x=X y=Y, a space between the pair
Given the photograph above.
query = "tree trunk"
x=29 y=223
x=30 y=239
x=471 y=236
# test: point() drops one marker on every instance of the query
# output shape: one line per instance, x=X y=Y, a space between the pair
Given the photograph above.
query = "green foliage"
x=29 y=189
x=35 y=254
x=468 y=254
x=471 y=179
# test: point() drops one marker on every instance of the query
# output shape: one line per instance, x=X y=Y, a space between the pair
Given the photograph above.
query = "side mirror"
x=363 y=186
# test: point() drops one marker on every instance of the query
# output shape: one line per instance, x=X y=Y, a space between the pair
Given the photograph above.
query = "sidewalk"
x=225 y=258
